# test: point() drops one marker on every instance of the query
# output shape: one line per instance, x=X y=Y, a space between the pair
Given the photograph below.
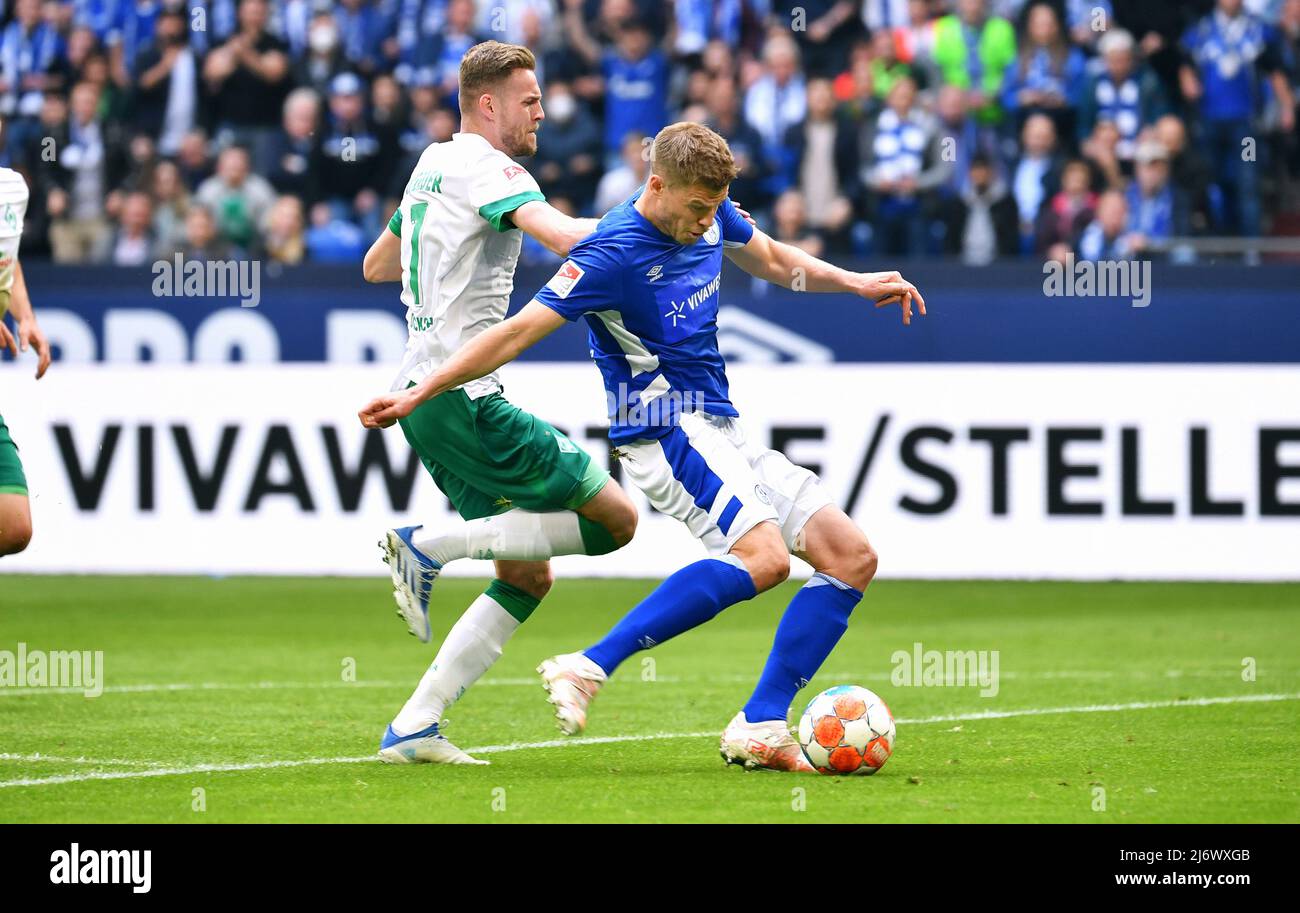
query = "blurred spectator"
x=1188 y=169
x=906 y=165
x=1088 y=21
x=202 y=241
x=790 y=224
x=133 y=242
x=193 y=159
x=171 y=204
x=439 y=51
x=701 y=21
x=1106 y=237
x=247 y=79
x=778 y=100
x=365 y=27
x=972 y=51
x=166 y=97
x=235 y=198
x=90 y=163
x=323 y=59
x=1047 y=76
x=1101 y=151
x=1157 y=211
x=1037 y=175
x=332 y=239
x=1069 y=211
x=286 y=240
x=1227 y=54
x=813 y=169
x=32 y=61
x=355 y=157
x=723 y=115
x=1125 y=92
x=829 y=27
x=635 y=74
x=620 y=183
x=981 y=224
x=913 y=37
x=569 y=148
x=292 y=154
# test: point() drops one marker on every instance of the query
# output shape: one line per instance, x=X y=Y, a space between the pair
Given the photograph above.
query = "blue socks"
x=810 y=628
x=685 y=600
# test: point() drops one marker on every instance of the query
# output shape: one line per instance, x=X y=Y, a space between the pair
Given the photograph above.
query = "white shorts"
x=706 y=474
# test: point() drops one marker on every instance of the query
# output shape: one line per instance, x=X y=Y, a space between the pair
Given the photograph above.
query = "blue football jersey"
x=651 y=306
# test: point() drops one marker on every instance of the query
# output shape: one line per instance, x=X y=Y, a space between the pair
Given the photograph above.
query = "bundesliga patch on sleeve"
x=513 y=171
x=563 y=281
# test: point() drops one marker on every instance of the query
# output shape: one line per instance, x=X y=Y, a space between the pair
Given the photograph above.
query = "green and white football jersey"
x=458 y=250
x=13 y=208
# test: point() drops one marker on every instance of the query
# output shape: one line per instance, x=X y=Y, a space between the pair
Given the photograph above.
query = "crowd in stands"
x=979 y=129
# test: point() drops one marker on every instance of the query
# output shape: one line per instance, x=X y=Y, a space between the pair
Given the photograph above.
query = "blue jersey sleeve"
x=590 y=280
x=736 y=232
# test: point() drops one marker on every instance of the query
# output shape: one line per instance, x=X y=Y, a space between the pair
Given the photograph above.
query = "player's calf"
x=834 y=545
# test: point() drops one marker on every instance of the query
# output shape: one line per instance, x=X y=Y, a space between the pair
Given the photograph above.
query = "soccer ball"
x=847 y=730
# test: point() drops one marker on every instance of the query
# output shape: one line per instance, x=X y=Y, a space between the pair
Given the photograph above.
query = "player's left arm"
x=788 y=266
x=479 y=357
x=30 y=334
x=556 y=231
x=383 y=262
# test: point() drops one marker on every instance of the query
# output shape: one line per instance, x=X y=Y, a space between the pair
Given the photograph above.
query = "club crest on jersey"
x=563 y=281
x=713 y=234
x=513 y=171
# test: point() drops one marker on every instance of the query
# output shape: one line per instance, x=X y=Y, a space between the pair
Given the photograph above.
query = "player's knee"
x=535 y=580
x=622 y=524
x=858 y=566
x=15 y=536
x=769 y=568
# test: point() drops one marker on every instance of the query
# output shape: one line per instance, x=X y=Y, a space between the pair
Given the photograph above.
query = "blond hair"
x=486 y=65
x=690 y=153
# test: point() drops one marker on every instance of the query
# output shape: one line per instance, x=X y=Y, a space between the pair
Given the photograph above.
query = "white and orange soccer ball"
x=847 y=730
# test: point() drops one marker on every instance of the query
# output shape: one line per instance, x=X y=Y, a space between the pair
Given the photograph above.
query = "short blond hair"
x=486 y=65
x=691 y=153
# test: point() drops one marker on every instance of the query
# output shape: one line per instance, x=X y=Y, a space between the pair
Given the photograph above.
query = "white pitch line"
x=607 y=740
x=96 y=762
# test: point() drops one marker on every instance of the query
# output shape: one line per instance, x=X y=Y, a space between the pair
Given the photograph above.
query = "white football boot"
x=762 y=745
x=413 y=574
x=573 y=682
x=428 y=746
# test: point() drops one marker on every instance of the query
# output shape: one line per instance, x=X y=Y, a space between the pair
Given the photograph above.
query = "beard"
x=523 y=144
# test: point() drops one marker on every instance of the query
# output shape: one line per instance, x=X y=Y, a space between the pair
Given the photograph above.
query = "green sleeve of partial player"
x=395 y=223
x=496 y=212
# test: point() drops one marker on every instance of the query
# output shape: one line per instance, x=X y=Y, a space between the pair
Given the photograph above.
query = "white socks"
x=472 y=646
x=517 y=535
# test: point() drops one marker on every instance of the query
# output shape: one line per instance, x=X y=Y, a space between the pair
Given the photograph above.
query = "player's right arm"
x=556 y=231
x=590 y=280
x=383 y=262
x=479 y=357
x=29 y=331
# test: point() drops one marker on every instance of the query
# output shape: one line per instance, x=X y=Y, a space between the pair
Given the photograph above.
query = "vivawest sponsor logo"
x=86 y=866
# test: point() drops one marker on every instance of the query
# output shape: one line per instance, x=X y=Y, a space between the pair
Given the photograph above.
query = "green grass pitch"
x=230 y=700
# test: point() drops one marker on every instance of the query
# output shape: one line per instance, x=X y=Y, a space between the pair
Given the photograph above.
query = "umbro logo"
x=655 y=273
